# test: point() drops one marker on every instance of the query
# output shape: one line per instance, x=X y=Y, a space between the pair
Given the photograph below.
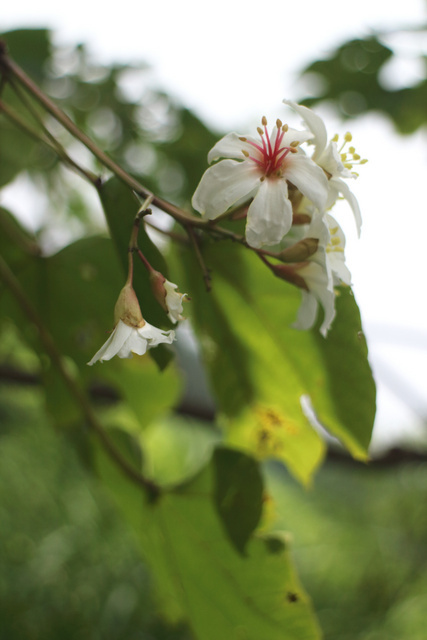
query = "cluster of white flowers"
x=287 y=194
x=283 y=184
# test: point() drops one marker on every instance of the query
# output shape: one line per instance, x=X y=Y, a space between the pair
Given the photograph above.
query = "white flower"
x=174 y=301
x=328 y=158
x=335 y=252
x=260 y=169
x=321 y=272
x=317 y=275
x=167 y=296
x=132 y=334
x=126 y=340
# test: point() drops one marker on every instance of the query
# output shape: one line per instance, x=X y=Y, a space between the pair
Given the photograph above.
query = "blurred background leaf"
x=354 y=78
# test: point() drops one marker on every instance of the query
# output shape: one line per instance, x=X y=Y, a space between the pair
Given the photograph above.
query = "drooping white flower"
x=335 y=252
x=328 y=157
x=321 y=273
x=260 y=169
x=317 y=276
x=167 y=295
x=126 y=340
x=174 y=301
x=131 y=334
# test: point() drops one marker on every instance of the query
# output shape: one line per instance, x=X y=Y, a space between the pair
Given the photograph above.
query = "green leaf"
x=238 y=494
x=262 y=369
x=200 y=576
x=347 y=408
x=176 y=447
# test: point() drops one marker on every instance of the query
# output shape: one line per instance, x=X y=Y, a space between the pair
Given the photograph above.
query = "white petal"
x=307 y=311
x=308 y=178
x=230 y=146
x=314 y=123
x=343 y=188
x=269 y=215
x=174 y=301
x=330 y=160
x=155 y=336
x=132 y=345
x=296 y=135
x=114 y=343
x=223 y=185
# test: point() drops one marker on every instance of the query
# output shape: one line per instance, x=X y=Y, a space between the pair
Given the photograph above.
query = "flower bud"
x=299 y=251
x=290 y=274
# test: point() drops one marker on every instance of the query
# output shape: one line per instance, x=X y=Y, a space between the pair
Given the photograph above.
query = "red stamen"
x=270 y=150
x=271 y=158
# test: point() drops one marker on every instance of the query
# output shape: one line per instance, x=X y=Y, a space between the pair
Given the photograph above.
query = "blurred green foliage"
x=71 y=568
x=351 y=78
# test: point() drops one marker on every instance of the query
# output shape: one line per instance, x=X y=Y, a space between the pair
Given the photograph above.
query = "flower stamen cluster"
x=349 y=157
x=270 y=158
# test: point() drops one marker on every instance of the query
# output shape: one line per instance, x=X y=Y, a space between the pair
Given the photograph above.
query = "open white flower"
x=328 y=158
x=261 y=169
x=131 y=334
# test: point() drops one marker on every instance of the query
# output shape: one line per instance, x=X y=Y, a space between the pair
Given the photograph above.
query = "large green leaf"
x=262 y=369
x=200 y=576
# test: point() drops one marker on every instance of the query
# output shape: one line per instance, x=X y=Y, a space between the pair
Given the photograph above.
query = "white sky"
x=234 y=61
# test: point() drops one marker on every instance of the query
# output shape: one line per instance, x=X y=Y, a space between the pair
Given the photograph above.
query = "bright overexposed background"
x=232 y=62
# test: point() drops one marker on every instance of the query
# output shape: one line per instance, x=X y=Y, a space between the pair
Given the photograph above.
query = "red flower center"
x=271 y=157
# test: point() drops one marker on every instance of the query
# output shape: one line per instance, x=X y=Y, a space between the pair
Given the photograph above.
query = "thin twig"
x=200 y=260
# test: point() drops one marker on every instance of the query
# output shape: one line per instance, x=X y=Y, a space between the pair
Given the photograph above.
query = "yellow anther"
x=335 y=138
x=243 y=139
x=333 y=231
x=278 y=123
x=356 y=156
x=262 y=178
x=348 y=165
x=245 y=153
x=285 y=128
x=351 y=150
x=292 y=147
x=343 y=156
x=335 y=240
x=260 y=131
x=364 y=161
x=348 y=137
x=264 y=121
